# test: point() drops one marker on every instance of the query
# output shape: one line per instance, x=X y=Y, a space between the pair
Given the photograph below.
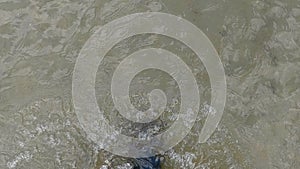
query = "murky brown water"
x=259 y=45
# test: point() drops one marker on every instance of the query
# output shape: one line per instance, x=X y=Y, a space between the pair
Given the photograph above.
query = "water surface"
x=258 y=43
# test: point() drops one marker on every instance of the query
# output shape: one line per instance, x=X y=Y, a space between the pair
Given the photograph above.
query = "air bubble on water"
x=21 y=144
x=182 y=160
x=144 y=135
x=208 y=109
x=155 y=6
x=188 y=117
x=104 y=167
x=22 y=156
x=172 y=117
x=125 y=166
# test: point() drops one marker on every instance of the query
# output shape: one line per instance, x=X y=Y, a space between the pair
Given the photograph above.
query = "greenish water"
x=258 y=43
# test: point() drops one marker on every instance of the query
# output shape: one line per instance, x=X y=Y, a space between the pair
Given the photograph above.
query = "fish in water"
x=153 y=162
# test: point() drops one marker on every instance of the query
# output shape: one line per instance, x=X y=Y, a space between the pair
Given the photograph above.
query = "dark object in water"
x=147 y=163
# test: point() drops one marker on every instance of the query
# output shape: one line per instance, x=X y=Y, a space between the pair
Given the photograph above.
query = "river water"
x=258 y=42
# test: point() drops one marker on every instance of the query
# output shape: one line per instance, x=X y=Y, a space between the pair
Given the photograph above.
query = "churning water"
x=258 y=42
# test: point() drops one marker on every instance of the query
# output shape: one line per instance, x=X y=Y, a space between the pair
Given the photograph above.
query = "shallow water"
x=258 y=43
